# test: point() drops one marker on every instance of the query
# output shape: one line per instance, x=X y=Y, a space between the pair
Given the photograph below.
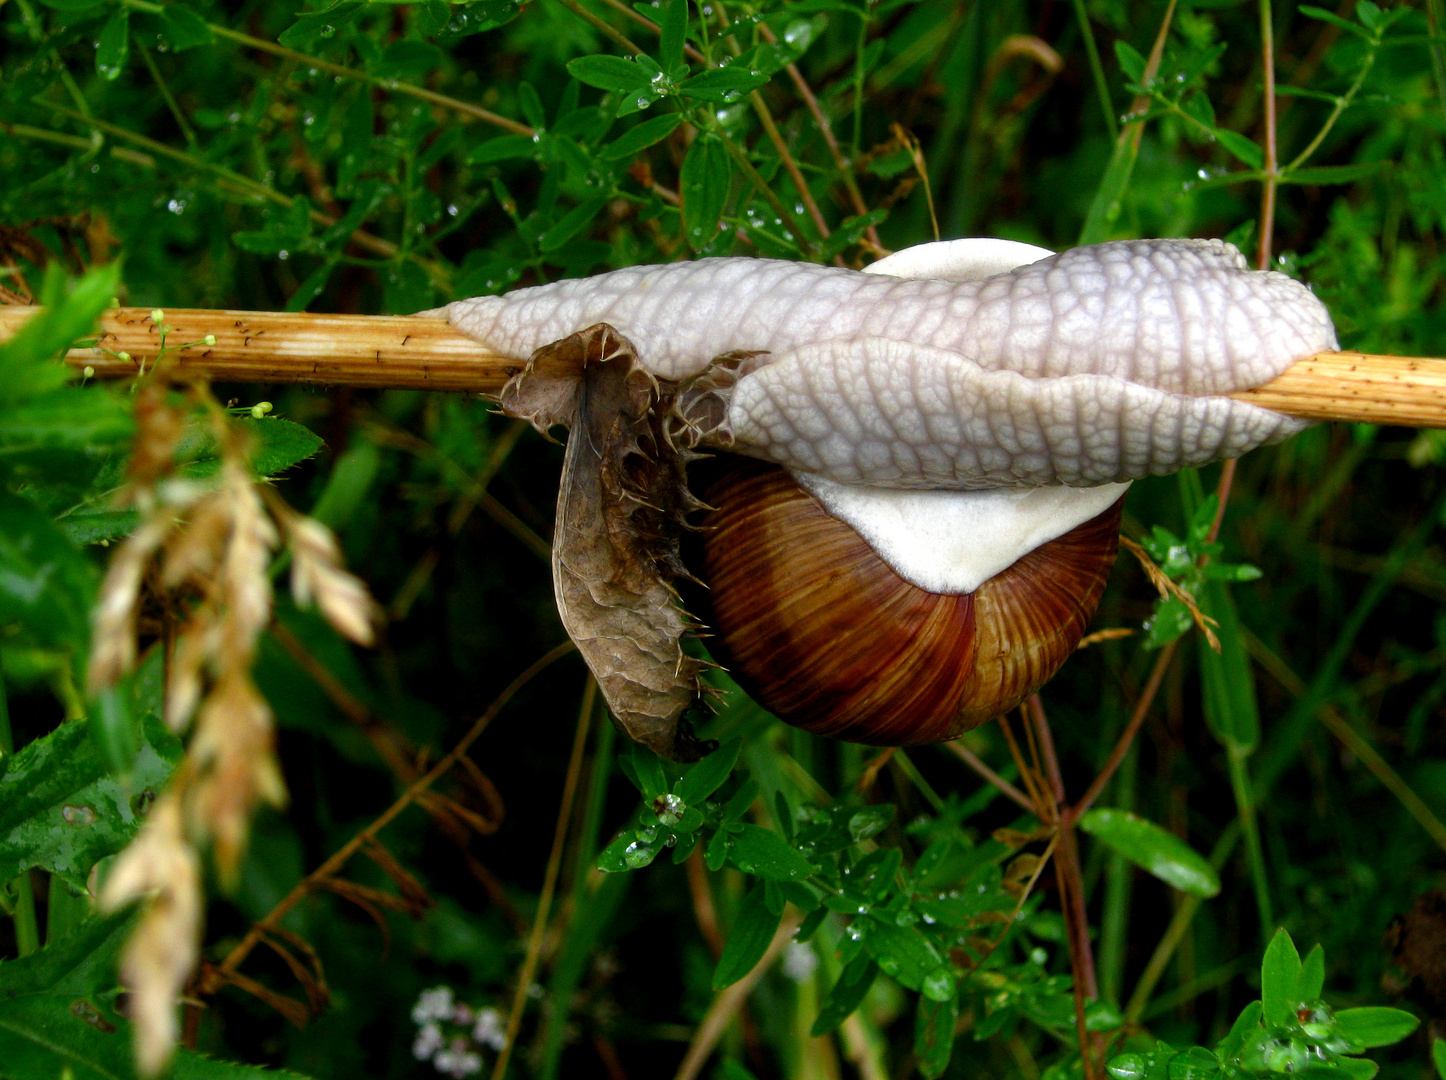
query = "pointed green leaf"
x=608 y=73
x=113 y=45
x=724 y=85
x=183 y=28
x=934 y=1034
x=1438 y=1056
x=1312 y=974
x=1375 y=1025
x=1241 y=147
x=847 y=994
x=707 y=776
x=752 y=932
x=757 y=851
x=1280 y=980
x=705 y=180
x=641 y=137
x=672 y=31
x=1153 y=849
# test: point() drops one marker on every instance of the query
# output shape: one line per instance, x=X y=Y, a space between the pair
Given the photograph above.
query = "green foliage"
x=1289 y=1031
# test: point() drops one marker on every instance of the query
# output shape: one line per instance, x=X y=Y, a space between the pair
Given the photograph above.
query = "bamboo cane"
x=416 y=353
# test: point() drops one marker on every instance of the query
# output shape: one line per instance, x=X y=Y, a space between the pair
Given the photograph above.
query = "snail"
x=939 y=446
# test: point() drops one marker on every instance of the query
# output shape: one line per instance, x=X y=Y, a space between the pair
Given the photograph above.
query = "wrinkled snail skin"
x=819 y=630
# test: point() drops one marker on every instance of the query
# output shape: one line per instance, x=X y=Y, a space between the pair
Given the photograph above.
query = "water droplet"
x=327 y=31
x=77 y=815
x=283 y=255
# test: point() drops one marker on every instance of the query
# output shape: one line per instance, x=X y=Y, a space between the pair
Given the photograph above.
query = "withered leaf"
x=620 y=513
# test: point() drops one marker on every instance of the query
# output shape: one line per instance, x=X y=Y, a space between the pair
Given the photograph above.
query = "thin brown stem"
x=1271 y=168
x=1071 y=884
x=1127 y=737
x=616 y=36
x=841 y=163
x=549 y=880
x=969 y=758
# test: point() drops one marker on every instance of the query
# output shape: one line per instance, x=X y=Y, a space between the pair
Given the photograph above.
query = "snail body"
x=818 y=628
x=938 y=447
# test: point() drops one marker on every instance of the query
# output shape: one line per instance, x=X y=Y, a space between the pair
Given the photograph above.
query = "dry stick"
x=425 y=353
x=549 y=880
x=304 y=888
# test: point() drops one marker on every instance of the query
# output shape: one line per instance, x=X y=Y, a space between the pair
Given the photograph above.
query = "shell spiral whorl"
x=822 y=632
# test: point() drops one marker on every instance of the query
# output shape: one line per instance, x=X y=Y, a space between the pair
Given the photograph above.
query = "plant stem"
x=1102 y=86
x=1272 y=161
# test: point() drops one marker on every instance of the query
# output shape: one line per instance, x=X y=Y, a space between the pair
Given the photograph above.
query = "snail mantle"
x=956 y=407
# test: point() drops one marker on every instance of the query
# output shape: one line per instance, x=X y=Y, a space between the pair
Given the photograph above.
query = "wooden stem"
x=424 y=353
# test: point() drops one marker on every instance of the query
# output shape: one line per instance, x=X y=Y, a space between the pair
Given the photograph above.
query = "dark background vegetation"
x=217 y=165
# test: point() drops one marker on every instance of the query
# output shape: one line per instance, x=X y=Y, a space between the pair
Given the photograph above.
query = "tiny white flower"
x=799 y=961
x=489 y=1030
x=427 y=1042
x=458 y=1063
x=433 y=1004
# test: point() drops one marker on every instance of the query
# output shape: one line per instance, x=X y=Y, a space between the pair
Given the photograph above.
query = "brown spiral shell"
x=823 y=633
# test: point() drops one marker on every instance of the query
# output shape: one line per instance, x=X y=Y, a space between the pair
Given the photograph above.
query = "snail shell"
x=822 y=632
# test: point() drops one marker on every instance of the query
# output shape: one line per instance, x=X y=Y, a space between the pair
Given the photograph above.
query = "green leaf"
x=756 y=850
x=183 y=28
x=641 y=137
x=1312 y=974
x=76 y=418
x=1438 y=1056
x=1334 y=174
x=315 y=28
x=867 y=823
x=707 y=776
x=94 y=527
x=724 y=85
x=1151 y=848
x=69 y=310
x=1280 y=980
x=903 y=953
x=1375 y=1025
x=1241 y=147
x=752 y=932
x=847 y=994
x=572 y=223
x=57 y=1019
x=1246 y=1025
x=672 y=31
x=47 y=585
x=609 y=73
x=1131 y=62
x=62 y=810
x=1335 y=20
x=113 y=45
x=1226 y=678
x=934 y=1034
x=503 y=148
x=648 y=769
